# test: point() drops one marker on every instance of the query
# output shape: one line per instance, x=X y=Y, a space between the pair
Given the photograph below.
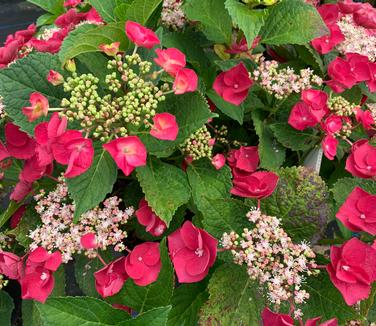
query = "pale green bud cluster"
x=340 y=106
x=198 y=145
x=129 y=98
x=221 y=134
x=254 y=3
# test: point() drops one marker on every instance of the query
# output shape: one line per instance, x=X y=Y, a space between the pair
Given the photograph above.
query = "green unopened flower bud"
x=70 y=65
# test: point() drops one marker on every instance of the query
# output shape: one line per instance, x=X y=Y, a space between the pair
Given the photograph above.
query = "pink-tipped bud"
x=110 y=49
x=55 y=78
x=89 y=241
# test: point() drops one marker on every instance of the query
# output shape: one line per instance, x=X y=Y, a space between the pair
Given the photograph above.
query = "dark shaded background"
x=16 y=15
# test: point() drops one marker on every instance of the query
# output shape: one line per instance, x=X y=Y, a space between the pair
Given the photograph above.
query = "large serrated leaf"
x=250 y=21
x=165 y=187
x=105 y=9
x=191 y=112
x=153 y=317
x=78 y=311
x=53 y=6
x=141 y=10
x=6 y=308
x=186 y=304
x=157 y=294
x=90 y=188
x=292 y=22
x=215 y=20
x=24 y=77
x=87 y=38
x=232 y=298
x=235 y=112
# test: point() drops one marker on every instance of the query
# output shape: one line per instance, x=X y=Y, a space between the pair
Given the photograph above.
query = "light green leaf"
x=326 y=301
x=46 y=19
x=232 y=298
x=105 y=9
x=235 y=112
x=165 y=187
x=272 y=153
x=207 y=184
x=52 y=6
x=87 y=38
x=141 y=10
x=292 y=22
x=292 y=138
x=7 y=214
x=30 y=313
x=157 y=294
x=191 y=112
x=90 y=188
x=154 y=317
x=186 y=304
x=212 y=14
x=78 y=311
x=24 y=77
x=6 y=308
x=250 y=21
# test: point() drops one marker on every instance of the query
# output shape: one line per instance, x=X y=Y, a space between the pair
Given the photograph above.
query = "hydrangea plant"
x=189 y=162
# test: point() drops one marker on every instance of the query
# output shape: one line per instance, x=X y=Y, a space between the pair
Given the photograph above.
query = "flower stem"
x=101 y=259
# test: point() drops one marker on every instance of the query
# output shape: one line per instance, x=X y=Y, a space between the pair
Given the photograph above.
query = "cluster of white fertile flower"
x=59 y=232
x=272 y=258
x=172 y=14
x=283 y=82
x=357 y=39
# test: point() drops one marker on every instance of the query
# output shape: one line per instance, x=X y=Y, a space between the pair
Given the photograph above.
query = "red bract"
x=233 y=85
x=258 y=185
x=3 y=152
x=361 y=162
x=128 y=153
x=238 y=47
x=317 y=102
x=193 y=251
x=25 y=35
x=89 y=241
x=332 y=124
x=72 y=3
x=352 y=269
x=17 y=216
x=315 y=322
x=171 y=60
x=71 y=18
x=366 y=16
x=186 y=80
x=339 y=70
x=21 y=190
x=244 y=160
x=38 y=282
x=53 y=44
x=110 y=49
x=165 y=126
x=110 y=279
x=55 y=78
x=301 y=117
x=358 y=212
x=348 y=6
x=94 y=17
x=18 y=143
x=145 y=216
x=358 y=66
x=143 y=264
x=329 y=146
x=218 y=161
x=39 y=107
x=9 y=52
x=371 y=83
x=140 y=35
x=365 y=118
x=326 y=43
x=10 y=265
x=329 y=13
x=34 y=170
x=270 y=318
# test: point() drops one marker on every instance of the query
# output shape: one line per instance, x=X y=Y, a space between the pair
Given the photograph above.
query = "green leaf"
x=11 y=209
x=217 y=27
x=105 y=9
x=165 y=187
x=292 y=22
x=154 y=317
x=186 y=304
x=250 y=21
x=90 y=188
x=310 y=56
x=191 y=112
x=52 y=6
x=272 y=153
x=87 y=38
x=6 y=308
x=208 y=184
x=46 y=19
x=225 y=215
x=343 y=187
x=78 y=311
x=141 y=10
x=233 y=299
x=292 y=138
x=157 y=294
x=30 y=313
x=326 y=301
x=24 y=77
x=235 y=112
